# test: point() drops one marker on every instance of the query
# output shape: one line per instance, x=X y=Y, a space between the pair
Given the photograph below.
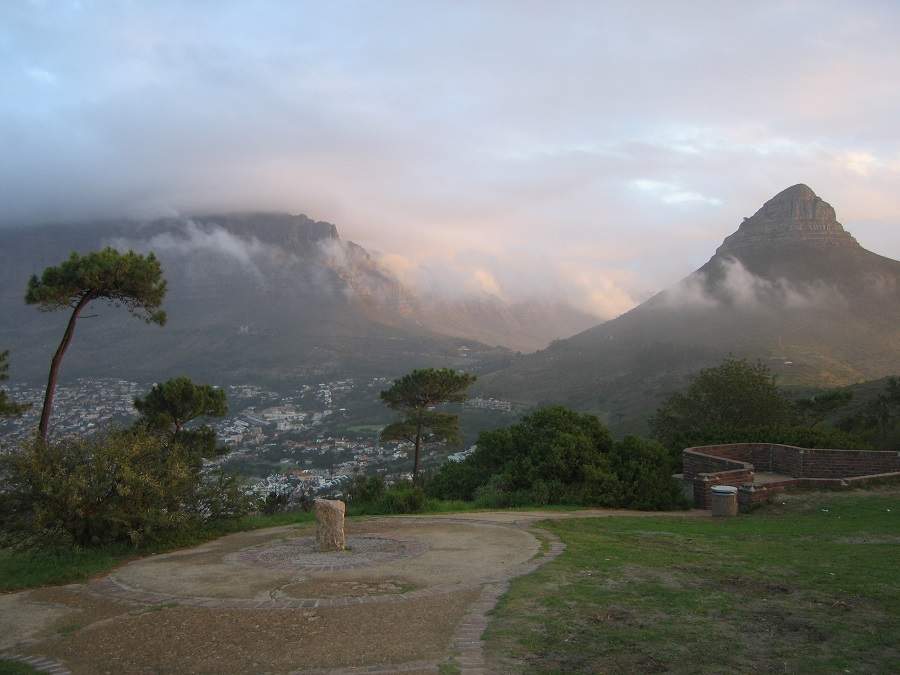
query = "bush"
x=122 y=486
x=739 y=402
x=644 y=470
x=558 y=456
x=732 y=397
x=454 y=480
x=403 y=499
x=365 y=489
x=220 y=497
x=369 y=495
x=275 y=503
x=494 y=495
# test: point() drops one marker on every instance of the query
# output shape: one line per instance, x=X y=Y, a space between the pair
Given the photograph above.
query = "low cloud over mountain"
x=585 y=156
x=270 y=294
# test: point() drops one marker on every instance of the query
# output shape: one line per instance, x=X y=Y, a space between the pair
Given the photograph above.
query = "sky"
x=593 y=152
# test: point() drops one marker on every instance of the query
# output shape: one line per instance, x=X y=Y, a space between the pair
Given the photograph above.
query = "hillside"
x=790 y=287
x=252 y=297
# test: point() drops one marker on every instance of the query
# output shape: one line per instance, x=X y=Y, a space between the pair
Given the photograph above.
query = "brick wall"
x=735 y=464
x=846 y=463
x=714 y=459
x=786 y=460
x=748 y=495
x=716 y=465
x=761 y=456
x=705 y=482
x=789 y=460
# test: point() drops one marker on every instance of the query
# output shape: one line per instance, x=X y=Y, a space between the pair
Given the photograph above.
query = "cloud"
x=40 y=75
x=484 y=282
x=861 y=163
x=669 y=193
x=600 y=291
x=591 y=150
x=192 y=238
x=734 y=285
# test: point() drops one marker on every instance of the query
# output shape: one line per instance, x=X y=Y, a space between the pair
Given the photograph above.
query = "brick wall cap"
x=705 y=449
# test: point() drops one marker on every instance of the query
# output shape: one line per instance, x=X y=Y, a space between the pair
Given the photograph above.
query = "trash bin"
x=724 y=501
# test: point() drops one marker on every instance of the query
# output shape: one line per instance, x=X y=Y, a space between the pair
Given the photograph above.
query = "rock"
x=330 y=524
x=795 y=215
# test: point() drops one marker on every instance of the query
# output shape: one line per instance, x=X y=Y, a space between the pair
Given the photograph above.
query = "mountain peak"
x=794 y=215
x=799 y=203
x=798 y=191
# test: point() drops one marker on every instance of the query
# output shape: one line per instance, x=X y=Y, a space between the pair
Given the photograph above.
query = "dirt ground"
x=216 y=608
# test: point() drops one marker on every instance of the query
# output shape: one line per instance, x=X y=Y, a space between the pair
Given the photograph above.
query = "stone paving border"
x=39 y=663
x=403 y=548
x=467 y=643
x=409 y=667
x=113 y=589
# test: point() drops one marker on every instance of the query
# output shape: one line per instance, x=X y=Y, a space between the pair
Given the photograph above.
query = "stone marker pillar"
x=330 y=524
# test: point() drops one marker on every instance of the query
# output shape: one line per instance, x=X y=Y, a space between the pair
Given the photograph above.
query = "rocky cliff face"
x=795 y=215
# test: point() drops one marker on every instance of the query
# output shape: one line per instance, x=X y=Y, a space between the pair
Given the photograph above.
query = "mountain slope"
x=790 y=287
x=252 y=297
x=525 y=325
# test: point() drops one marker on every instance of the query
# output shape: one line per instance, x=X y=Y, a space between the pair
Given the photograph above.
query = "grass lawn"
x=8 y=667
x=808 y=585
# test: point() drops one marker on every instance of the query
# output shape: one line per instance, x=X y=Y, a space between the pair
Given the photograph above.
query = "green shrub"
x=644 y=470
x=274 y=503
x=365 y=489
x=10 y=667
x=122 y=486
x=402 y=499
x=735 y=396
x=558 y=456
x=739 y=402
x=817 y=437
x=368 y=495
x=454 y=480
x=219 y=497
x=545 y=492
x=494 y=495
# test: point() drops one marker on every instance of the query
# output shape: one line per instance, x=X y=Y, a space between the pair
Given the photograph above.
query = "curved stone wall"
x=738 y=463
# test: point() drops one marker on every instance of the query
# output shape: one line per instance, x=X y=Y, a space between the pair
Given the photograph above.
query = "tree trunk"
x=418 y=445
x=54 y=366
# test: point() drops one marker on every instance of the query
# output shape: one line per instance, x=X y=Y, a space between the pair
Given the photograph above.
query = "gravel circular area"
x=301 y=553
x=220 y=607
